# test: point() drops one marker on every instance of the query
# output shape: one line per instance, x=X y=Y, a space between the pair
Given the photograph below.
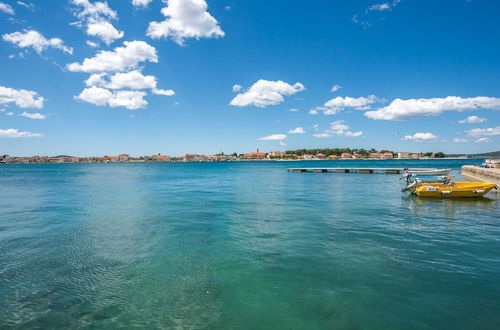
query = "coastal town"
x=302 y=154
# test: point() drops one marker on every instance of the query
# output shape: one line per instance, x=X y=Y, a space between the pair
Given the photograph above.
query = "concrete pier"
x=362 y=170
x=476 y=173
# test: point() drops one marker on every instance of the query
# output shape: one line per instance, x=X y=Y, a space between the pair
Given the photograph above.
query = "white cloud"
x=274 y=137
x=30 y=6
x=9 y=113
x=35 y=115
x=15 y=133
x=483 y=140
x=472 y=120
x=127 y=80
x=383 y=6
x=478 y=132
x=104 y=30
x=131 y=100
x=379 y=7
x=340 y=103
x=323 y=135
x=298 y=130
x=6 y=8
x=141 y=3
x=35 y=40
x=421 y=137
x=166 y=92
x=21 y=97
x=457 y=140
x=282 y=143
x=313 y=112
x=265 y=92
x=95 y=95
x=133 y=80
x=335 y=88
x=294 y=110
x=185 y=19
x=237 y=88
x=95 y=16
x=120 y=59
x=338 y=128
x=92 y=44
x=413 y=108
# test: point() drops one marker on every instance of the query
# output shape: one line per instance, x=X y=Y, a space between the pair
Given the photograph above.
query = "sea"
x=242 y=245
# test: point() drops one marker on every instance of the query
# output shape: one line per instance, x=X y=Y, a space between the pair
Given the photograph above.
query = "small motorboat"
x=430 y=179
x=430 y=172
x=451 y=190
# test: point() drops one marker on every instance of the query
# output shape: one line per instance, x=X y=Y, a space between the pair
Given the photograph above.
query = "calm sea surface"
x=242 y=246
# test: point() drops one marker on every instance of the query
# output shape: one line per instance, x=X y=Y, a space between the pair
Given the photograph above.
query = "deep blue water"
x=242 y=245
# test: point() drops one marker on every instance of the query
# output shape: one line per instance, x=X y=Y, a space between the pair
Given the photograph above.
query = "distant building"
x=376 y=155
x=255 y=155
x=357 y=156
x=123 y=157
x=277 y=154
x=403 y=155
x=388 y=155
x=320 y=156
x=346 y=155
x=331 y=157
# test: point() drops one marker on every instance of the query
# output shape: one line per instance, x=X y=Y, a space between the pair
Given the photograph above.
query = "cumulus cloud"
x=131 y=100
x=35 y=115
x=185 y=19
x=274 y=137
x=265 y=92
x=483 y=140
x=104 y=30
x=15 y=133
x=472 y=120
x=421 y=137
x=95 y=17
x=21 y=97
x=335 y=88
x=338 y=128
x=237 y=88
x=35 y=40
x=127 y=80
x=414 y=108
x=141 y=3
x=340 y=103
x=298 y=130
x=478 y=132
x=458 y=140
x=5 y=8
x=119 y=59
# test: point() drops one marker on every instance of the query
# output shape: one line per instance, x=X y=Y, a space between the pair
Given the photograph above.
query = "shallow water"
x=242 y=245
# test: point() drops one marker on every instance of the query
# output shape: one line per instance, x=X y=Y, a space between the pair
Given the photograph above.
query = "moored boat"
x=430 y=172
x=453 y=190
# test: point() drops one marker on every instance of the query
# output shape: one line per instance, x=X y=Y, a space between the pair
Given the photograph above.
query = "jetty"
x=361 y=170
x=483 y=174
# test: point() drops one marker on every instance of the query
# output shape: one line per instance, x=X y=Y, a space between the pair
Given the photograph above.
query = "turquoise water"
x=242 y=246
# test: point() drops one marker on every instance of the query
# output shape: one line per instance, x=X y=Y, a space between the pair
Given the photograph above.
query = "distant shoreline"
x=236 y=161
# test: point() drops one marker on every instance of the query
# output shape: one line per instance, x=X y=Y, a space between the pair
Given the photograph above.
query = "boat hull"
x=459 y=190
x=430 y=172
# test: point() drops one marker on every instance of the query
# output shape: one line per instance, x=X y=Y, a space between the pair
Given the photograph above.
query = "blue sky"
x=85 y=77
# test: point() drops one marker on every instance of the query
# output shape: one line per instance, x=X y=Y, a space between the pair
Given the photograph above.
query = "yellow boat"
x=453 y=190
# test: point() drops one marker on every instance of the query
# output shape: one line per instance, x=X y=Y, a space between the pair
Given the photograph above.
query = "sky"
x=83 y=77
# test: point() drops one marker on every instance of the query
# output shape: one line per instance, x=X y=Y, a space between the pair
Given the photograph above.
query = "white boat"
x=430 y=178
x=430 y=172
